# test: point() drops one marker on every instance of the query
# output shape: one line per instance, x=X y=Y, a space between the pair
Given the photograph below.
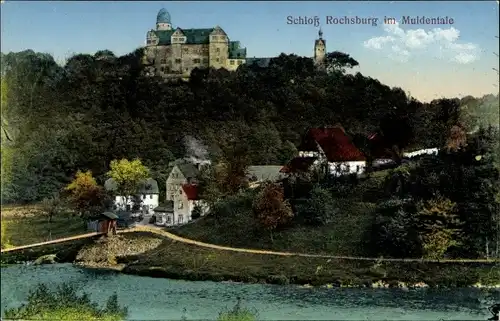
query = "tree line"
x=96 y=108
x=58 y=120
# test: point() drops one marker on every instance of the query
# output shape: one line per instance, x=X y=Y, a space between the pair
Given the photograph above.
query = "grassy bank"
x=166 y=258
x=346 y=236
x=22 y=225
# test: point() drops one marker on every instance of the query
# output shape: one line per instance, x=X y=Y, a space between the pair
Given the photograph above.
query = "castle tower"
x=320 y=49
x=163 y=21
x=218 y=48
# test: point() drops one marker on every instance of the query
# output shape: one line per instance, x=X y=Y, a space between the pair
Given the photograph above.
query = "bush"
x=238 y=313
x=318 y=209
x=196 y=213
x=65 y=304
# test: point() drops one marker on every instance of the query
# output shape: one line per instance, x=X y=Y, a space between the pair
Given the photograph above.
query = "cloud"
x=400 y=44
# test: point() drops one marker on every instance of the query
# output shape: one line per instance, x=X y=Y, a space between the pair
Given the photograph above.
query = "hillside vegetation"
x=58 y=120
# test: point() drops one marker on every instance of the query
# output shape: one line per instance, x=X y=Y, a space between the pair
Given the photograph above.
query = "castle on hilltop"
x=174 y=52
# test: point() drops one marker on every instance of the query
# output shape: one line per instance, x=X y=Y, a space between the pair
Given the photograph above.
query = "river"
x=164 y=299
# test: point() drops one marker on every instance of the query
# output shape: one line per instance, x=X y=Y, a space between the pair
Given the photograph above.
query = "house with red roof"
x=186 y=199
x=330 y=149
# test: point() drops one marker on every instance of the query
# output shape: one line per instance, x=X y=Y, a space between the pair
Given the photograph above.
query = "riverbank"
x=154 y=298
x=151 y=255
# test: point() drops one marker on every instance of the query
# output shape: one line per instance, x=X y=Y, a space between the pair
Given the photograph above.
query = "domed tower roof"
x=163 y=16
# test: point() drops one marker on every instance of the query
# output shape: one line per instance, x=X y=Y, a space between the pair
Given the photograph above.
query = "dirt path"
x=66 y=239
x=160 y=231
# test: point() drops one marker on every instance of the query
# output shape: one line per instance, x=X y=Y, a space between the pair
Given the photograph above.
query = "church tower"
x=320 y=50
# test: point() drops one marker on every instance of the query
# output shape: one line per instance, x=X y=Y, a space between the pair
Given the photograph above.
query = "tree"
x=228 y=175
x=339 y=61
x=128 y=176
x=86 y=195
x=51 y=207
x=439 y=227
x=319 y=208
x=271 y=209
x=457 y=139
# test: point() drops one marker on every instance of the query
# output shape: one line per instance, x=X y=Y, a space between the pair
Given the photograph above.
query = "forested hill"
x=95 y=108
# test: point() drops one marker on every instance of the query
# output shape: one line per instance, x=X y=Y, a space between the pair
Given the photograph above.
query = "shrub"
x=238 y=313
x=318 y=209
x=196 y=213
x=65 y=304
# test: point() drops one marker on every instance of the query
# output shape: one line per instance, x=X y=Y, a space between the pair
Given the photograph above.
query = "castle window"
x=163 y=61
x=196 y=61
x=177 y=61
x=186 y=50
x=205 y=60
x=218 y=49
x=240 y=62
x=231 y=62
x=217 y=59
x=162 y=69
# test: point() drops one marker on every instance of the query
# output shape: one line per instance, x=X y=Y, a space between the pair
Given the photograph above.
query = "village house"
x=164 y=214
x=181 y=193
x=148 y=193
x=328 y=149
x=185 y=201
x=183 y=172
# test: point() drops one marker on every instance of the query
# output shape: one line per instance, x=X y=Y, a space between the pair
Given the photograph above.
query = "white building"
x=148 y=194
x=329 y=148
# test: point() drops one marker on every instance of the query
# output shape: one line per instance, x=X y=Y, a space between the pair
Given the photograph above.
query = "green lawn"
x=25 y=225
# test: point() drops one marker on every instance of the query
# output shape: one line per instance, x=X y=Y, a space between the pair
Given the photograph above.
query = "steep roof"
x=166 y=207
x=149 y=186
x=236 y=51
x=337 y=146
x=188 y=170
x=191 y=191
x=193 y=36
x=298 y=164
x=264 y=172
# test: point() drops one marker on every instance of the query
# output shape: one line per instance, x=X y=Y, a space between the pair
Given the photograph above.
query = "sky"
x=427 y=61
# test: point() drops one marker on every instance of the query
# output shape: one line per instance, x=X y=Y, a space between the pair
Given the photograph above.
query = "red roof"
x=298 y=164
x=337 y=146
x=191 y=191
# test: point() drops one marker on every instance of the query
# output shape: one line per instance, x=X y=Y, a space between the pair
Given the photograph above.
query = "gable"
x=193 y=36
x=175 y=174
x=177 y=33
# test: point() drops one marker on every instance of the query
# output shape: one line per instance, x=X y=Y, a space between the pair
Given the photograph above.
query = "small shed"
x=107 y=222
